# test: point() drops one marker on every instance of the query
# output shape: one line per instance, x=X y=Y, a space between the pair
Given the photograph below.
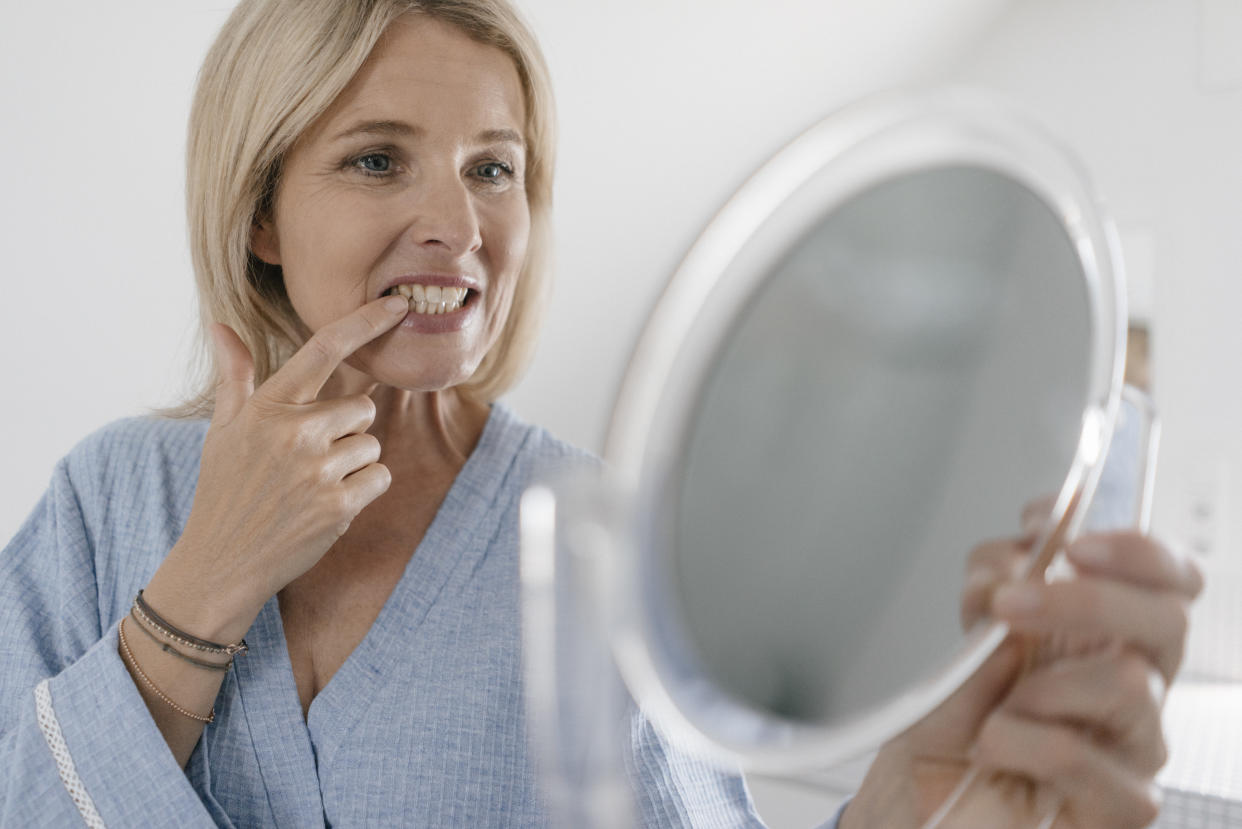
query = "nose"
x=446 y=216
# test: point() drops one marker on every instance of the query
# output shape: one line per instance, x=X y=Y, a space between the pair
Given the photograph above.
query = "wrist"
x=202 y=605
x=886 y=795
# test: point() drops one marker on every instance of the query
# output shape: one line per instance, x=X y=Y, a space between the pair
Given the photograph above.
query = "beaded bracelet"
x=146 y=680
x=167 y=648
x=147 y=614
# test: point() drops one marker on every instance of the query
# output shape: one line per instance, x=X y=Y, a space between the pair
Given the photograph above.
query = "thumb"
x=234 y=372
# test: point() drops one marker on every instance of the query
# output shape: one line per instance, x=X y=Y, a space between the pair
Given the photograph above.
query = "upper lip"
x=444 y=280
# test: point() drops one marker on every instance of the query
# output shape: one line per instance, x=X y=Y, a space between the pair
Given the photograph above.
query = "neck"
x=417 y=430
x=437 y=426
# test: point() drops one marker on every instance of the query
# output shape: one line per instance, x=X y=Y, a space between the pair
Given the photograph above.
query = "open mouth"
x=432 y=299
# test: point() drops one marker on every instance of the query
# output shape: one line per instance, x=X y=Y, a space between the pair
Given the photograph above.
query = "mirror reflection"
x=912 y=374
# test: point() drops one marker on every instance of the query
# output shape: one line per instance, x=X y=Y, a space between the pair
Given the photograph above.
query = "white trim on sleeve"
x=50 y=727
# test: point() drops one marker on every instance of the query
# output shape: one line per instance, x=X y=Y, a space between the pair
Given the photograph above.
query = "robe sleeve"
x=77 y=742
x=673 y=789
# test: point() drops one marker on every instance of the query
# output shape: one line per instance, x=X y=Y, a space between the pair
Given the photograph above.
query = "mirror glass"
x=906 y=379
x=900 y=333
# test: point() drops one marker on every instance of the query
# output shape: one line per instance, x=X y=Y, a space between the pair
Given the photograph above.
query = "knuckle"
x=373 y=320
x=324 y=344
x=367 y=408
x=1147 y=805
x=1133 y=681
x=323 y=473
x=1159 y=751
x=978 y=557
x=994 y=562
x=991 y=552
x=340 y=505
x=985 y=743
x=1066 y=756
x=991 y=741
x=303 y=433
x=261 y=412
x=287 y=440
x=378 y=479
x=1079 y=602
x=1194 y=576
x=1179 y=622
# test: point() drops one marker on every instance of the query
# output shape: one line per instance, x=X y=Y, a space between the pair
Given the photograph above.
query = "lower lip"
x=445 y=323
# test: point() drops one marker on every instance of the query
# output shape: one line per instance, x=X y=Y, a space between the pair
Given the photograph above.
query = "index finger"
x=990 y=565
x=1137 y=559
x=1037 y=514
x=300 y=379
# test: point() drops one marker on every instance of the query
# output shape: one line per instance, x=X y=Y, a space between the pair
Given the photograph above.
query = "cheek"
x=512 y=241
x=512 y=237
x=329 y=256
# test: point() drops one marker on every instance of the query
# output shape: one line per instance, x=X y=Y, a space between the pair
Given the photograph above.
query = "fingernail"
x=1017 y=599
x=1090 y=551
x=977 y=580
x=393 y=304
x=1035 y=525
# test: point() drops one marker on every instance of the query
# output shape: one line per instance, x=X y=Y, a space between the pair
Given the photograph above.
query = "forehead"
x=436 y=74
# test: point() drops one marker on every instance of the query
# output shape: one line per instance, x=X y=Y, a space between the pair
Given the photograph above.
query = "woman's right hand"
x=283 y=474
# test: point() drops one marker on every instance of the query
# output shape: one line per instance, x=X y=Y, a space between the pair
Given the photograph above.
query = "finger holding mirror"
x=989 y=566
x=1076 y=738
x=999 y=561
x=1100 y=647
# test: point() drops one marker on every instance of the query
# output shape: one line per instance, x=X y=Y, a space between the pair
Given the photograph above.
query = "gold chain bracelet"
x=133 y=663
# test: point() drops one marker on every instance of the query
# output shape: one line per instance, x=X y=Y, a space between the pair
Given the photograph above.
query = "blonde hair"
x=275 y=67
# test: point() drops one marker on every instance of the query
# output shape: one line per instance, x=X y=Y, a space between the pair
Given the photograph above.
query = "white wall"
x=98 y=302
x=1149 y=94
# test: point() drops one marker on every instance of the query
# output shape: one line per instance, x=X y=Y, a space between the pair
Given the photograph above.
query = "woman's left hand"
x=1084 y=728
x=1090 y=724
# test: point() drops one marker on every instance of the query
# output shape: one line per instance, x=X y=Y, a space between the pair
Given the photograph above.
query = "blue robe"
x=423 y=725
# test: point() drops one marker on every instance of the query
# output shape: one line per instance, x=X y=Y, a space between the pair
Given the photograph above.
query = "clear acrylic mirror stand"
x=579 y=712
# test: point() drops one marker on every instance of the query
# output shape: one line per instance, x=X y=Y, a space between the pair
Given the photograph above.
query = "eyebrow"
x=404 y=130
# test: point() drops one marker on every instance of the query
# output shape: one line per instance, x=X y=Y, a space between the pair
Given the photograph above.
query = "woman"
x=369 y=187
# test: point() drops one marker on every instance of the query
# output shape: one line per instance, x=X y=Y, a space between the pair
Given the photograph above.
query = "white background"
x=665 y=107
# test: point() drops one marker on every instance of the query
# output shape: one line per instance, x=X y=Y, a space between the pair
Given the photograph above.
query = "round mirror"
x=901 y=332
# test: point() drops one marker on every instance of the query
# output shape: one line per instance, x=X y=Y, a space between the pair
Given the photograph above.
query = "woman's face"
x=413 y=182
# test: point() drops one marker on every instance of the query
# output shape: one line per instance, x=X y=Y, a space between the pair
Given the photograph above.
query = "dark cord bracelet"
x=146 y=614
x=167 y=648
x=131 y=664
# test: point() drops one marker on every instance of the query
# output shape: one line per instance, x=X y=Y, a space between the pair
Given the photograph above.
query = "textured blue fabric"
x=422 y=726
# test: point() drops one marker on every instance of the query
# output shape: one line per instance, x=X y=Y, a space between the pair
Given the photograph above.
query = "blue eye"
x=493 y=170
x=374 y=163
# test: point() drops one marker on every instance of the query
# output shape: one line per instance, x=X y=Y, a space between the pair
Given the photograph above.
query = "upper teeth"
x=430 y=299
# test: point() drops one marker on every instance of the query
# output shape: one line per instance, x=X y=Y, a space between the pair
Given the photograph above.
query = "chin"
x=416 y=369
x=426 y=384
x=427 y=376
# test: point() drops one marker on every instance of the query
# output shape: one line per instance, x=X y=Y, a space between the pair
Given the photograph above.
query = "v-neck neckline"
x=282 y=738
